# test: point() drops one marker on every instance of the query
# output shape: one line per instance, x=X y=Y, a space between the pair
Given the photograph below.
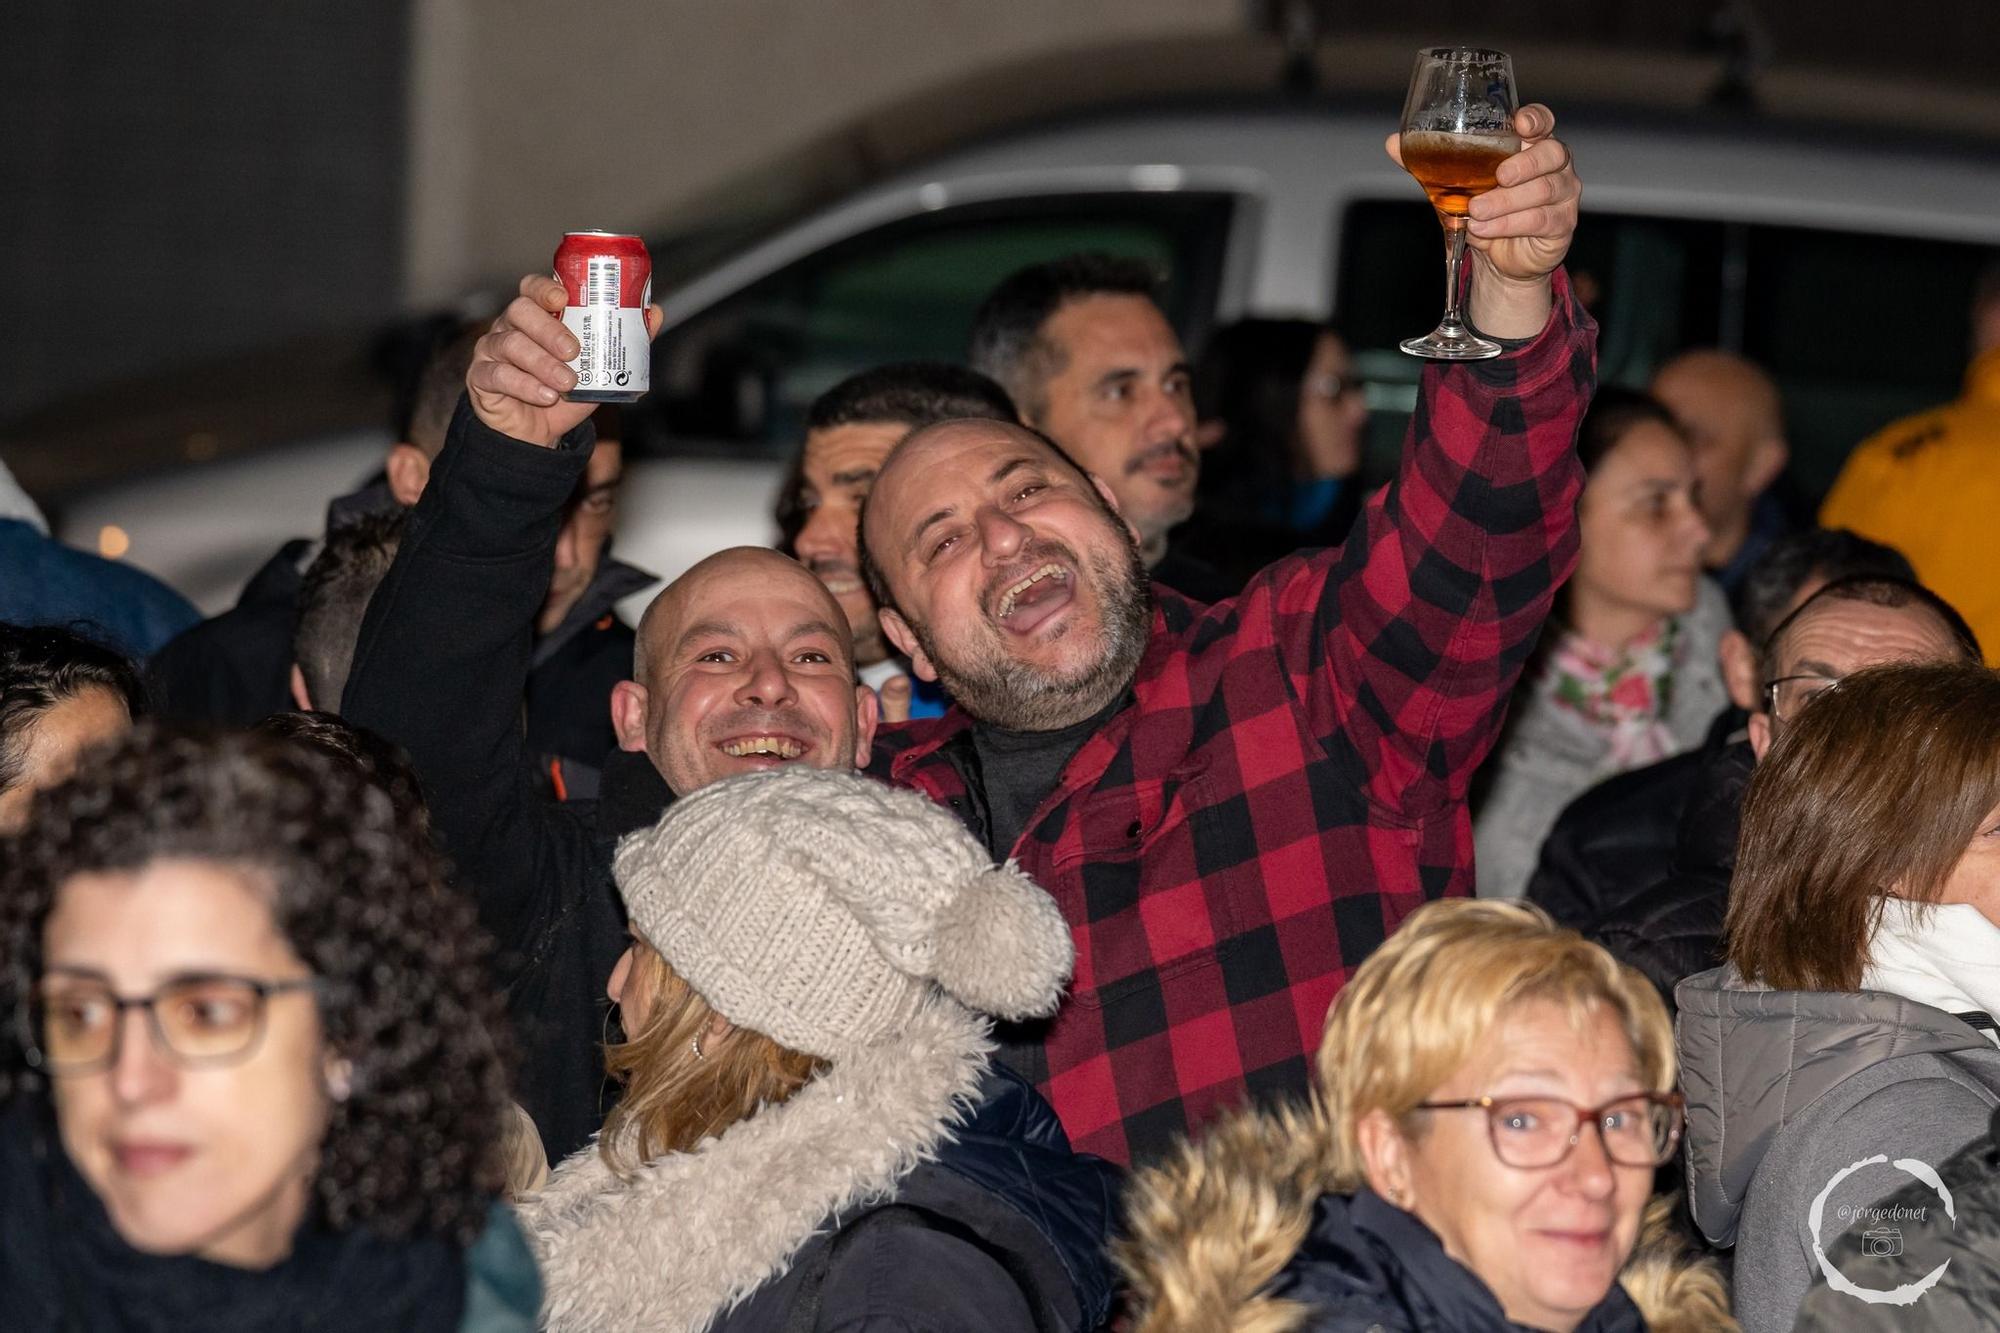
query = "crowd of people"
x=1109 y=867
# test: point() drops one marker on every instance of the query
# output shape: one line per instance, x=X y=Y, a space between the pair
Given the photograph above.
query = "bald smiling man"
x=745 y=662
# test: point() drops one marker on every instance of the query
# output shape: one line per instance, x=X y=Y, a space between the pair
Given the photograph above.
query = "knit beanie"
x=819 y=907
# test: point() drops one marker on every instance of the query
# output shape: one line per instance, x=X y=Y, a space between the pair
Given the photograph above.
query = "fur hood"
x=693 y=1234
x=1209 y=1229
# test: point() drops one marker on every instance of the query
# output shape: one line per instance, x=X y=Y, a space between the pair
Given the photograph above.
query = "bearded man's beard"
x=1004 y=692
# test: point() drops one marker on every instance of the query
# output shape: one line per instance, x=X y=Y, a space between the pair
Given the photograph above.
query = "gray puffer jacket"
x=1786 y=1091
x=1966 y=1294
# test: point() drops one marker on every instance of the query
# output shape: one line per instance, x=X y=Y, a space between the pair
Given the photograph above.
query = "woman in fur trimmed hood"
x=813 y=1135
x=1494 y=1096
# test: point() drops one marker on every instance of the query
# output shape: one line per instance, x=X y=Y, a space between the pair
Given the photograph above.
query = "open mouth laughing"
x=1032 y=598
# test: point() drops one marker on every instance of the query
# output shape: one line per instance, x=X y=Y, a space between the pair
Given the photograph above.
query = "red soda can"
x=609 y=278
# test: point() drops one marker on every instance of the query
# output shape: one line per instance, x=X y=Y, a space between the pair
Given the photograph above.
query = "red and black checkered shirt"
x=1289 y=778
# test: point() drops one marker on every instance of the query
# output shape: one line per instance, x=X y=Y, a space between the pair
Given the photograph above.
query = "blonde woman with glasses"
x=1494 y=1096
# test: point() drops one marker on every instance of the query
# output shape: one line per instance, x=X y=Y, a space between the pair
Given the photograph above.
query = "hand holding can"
x=608 y=278
x=522 y=379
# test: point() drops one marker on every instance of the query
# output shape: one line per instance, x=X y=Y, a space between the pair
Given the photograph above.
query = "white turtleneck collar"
x=1944 y=955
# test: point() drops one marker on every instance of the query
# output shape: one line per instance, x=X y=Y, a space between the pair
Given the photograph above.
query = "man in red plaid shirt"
x=1233 y=805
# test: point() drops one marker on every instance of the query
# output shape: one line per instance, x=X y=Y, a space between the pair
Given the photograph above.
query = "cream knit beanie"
x=818 y=907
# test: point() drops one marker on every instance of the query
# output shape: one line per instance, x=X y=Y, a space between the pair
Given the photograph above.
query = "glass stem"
x=1454 y=263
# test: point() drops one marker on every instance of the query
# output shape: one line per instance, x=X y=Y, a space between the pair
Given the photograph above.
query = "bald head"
x=668 y=613
x=742 y=663
x=981 y=434
x=1734 y=419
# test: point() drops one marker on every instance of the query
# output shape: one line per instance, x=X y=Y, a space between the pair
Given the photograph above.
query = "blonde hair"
x=674 y=1098
x=1208 y=1228
x=1433 y=994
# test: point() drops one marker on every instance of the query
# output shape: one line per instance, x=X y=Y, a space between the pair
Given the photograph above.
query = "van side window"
x=1654 y=285
x=735 y=380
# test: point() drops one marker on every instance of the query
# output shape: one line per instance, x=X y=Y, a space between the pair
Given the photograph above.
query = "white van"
x=1843 y=266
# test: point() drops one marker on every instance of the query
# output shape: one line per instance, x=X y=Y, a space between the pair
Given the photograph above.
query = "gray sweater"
x=1786 y=1089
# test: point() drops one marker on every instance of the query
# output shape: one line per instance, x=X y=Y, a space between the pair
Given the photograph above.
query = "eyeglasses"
x=1786 y=695
x=76 y=1023
x=1333 y=388
x=1533 y=1132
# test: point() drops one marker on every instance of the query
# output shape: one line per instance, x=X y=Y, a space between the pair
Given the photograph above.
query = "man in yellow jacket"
x=1929 y=485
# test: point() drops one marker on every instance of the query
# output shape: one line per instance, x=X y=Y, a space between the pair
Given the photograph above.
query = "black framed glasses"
x=1533 y=1132
x=77 y=1021
x=1785 y=696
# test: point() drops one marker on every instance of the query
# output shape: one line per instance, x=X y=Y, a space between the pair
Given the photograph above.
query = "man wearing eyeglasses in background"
x=1845 y=627
x=1668 y=923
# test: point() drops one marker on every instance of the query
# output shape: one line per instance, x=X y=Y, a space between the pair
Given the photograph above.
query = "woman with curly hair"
x=1494 y=1094
x=252 y=1081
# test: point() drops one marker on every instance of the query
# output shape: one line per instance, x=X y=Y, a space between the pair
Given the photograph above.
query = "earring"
x=340 y=1081
x=1396 y=1197
x=696 y=1043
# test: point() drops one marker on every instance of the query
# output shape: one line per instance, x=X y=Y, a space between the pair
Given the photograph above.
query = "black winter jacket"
x=1641 y=863
x=440 y=666
x=234 y=669
x=1009 y=1186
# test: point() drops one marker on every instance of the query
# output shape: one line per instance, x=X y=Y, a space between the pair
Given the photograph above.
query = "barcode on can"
x=601 y=281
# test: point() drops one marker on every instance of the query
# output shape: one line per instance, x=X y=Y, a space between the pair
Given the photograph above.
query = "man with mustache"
x=744 y=662
x=1234 y=804
x=1082 y=347
x=849 y=431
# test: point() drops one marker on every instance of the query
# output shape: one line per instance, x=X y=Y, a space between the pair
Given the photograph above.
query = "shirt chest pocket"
x=1137 y=878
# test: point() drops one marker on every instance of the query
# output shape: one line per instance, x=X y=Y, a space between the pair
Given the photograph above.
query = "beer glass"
x=1458 y=126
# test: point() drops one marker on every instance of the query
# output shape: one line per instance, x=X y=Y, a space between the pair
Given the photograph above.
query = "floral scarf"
x=1623 y=692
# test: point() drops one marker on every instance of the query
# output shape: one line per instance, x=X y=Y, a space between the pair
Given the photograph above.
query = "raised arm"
x=1406 y=642
x=442 y=660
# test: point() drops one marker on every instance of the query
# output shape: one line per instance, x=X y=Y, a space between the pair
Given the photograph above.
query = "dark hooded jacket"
x=234 y=669
x=1008 y=1187
x=1641 y=863
x=908 y=1187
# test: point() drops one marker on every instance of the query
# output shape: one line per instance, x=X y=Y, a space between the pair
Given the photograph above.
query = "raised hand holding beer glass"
x=1458 y=127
